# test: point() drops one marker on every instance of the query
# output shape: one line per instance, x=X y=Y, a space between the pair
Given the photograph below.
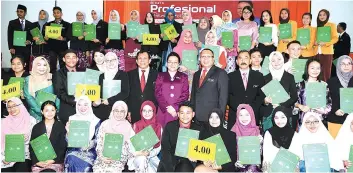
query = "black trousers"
x=19 y=167
x=54 y=56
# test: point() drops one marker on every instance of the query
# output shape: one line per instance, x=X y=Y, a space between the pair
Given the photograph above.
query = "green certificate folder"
x=346 y=100
x=190 y=59
x=350 y=169
x=215 y=50
x=43 y=149
x=36 y=33
x=90 y=31
x=183 y=140
x=303 y=36
x=92 y=77
x=265 y=35
x=17 y=79
x=111 y=88
x=74 y=78
x=265 y=69
x=315 y=94
x=42 y=96
x=171 y=32
x=222 y=155
x=276 y=91
x=249 y=150
x=299 y=67
x=113 y=146
x=145 y=139
x=316 y=158
x=192 y=27
x=78 y=134
x=323 y=34
x=335 y=62
x=285 y=31
x=77 y=29
x=142 y=29
x=228 y=39
x=163 y=27
x=15 y=148
x=244 y=42
x=132 y=29
x=114 y=31
x=19 y=38
x=284 y=161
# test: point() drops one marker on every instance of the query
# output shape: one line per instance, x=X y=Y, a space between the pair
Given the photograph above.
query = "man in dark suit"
x=244 y=88
x=343 y=45
x=58 y=46
x=142 y=84
x=67 y=102
x=20 y=24
x=209 y=87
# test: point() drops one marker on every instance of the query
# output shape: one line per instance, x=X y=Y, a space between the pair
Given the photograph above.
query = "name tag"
x=255 y=86
x=210 y=80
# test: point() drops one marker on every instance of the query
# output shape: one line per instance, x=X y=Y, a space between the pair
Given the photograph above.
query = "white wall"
x=8 y=12
x=340 y=11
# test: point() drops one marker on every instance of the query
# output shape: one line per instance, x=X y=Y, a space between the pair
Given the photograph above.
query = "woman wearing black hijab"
x=154 y=51
x=281 y=135
x=214 y=127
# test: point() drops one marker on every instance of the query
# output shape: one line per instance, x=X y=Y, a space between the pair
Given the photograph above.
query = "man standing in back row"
x=209 y=87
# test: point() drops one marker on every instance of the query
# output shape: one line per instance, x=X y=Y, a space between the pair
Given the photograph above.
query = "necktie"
x=22 y=25
x=202 y=77
x=245 y=80
x=143 y=80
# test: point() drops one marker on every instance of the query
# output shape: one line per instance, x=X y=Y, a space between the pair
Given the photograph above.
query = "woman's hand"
x=107 y=40
x=304 y=108
x=97 y=102
x=347 y=163
x=339 y=112
x=42 y=164
x=183 y=68
x=80 y=37
x=105 y=102
x=96 y=40
x=268 y=100
x=199 y=44
x=107 y=160
x=67 y=127
x=46 y=38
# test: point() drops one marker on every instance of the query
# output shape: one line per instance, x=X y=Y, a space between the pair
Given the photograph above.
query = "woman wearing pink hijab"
x=187 y=19
x=246 y=126
x=148 y=113
x=19 y=121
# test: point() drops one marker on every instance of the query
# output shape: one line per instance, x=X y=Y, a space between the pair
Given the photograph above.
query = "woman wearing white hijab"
x=78 y=43
x=112 y=72
x=314 y=132
x=216 y=23
x=82 y=159
x=132 y=46
x=211 y=40
x=344 y=141
x=101 y=33
x=344 y=73
x=277 y=72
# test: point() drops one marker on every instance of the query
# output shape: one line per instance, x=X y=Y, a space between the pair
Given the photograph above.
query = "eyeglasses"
x=149 y=111
x=344 y=64
x=209 y=56
x=247 y=12
x=11 y=107
x=117 y=111
x=110 y=61
x=312 y=122
x=173 y=63
x=79 y=14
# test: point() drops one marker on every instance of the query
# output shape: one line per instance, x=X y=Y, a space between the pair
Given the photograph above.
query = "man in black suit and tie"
x=244 y=88
x=343 y=45
x=209 y=87
x=142 y=83
x=20 y=24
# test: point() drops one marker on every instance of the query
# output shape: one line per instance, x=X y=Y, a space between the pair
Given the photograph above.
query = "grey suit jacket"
x=213 y=92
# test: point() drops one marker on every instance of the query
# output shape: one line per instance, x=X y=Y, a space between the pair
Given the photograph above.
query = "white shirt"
x=206 y=72
x=24 y=22
x=245 y=71
x=147 y=70
x=340 y=35
x=257 y=69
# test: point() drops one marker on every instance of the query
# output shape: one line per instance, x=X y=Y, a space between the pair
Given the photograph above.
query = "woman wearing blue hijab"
x=167 y=46
x=41 y=48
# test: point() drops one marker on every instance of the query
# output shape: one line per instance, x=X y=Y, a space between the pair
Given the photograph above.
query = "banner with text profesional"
x=198 y=9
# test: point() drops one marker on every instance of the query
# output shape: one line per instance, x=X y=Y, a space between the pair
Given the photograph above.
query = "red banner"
x=198 y=9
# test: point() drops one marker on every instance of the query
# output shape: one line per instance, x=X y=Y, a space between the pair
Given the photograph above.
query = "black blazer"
x=343 y=45
x=163 y=45
x=75 y=43
x=136 y=96
x=334 y=85
x=42 y=49
x=213 y=92
x=168 y=145
x=58 y=45
x=57 y=139
x=116 y=44
x=101 y=35
x=238 y=95
x=67 y=102
x=288 y=84
x=152 y=50
x=15 y=25
x=103 y=111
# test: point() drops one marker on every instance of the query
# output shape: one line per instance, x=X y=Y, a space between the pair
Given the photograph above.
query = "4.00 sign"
x=201 y=150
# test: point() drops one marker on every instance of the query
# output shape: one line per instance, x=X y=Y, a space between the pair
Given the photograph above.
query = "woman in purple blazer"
x=172 y=88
